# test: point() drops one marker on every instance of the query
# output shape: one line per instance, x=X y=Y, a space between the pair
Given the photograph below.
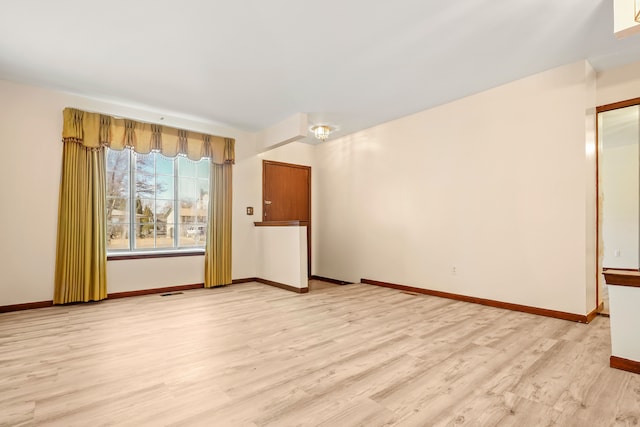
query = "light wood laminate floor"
x=253 y=355
x=318 y=285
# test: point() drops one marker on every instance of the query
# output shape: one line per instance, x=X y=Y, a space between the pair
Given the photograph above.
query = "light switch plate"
x=249 y=210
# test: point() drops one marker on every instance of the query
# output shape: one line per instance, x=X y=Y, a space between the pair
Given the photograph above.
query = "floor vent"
x=410 y=293
x=168 y=294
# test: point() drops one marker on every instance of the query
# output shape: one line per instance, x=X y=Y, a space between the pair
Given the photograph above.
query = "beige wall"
x=618 y=84
x=499 y=186
x=283 y=255
x=247 y=179
x=625 y=322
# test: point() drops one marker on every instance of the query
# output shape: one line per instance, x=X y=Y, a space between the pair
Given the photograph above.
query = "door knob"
x=267 y=202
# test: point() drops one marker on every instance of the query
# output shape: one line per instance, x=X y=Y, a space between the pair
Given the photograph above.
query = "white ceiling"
x=252 y=63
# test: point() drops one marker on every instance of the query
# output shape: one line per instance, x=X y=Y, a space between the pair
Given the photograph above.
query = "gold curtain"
x=97 y=130
x=81 y=245
x=81 y=252
x=217 y=257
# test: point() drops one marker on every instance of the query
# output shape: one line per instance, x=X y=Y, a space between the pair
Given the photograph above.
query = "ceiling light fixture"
x=321 y=132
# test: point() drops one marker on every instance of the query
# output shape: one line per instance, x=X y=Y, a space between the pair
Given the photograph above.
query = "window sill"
x=147 y=255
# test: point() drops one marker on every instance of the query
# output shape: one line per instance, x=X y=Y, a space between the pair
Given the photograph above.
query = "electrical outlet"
x=616 y=252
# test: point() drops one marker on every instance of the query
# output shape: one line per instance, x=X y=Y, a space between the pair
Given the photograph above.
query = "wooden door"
x=286 y=196
x=286 y=191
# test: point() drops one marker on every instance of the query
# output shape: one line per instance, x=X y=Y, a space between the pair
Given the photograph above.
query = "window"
x=155 y=202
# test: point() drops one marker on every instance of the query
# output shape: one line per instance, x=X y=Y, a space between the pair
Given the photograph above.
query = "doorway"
x=618 y=190
x=286 y=196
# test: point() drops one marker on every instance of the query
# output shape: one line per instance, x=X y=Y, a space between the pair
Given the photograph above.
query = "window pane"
x=186 y=167
x=145 y=185
x=164 y=223
x=203 y=169
x=118 y=185
x=193 y=196
x=145 y=163
x=164 y=165
x=188 y=213
x=145 y=210
x=145 y=236
x=203 y=192
x=192 y=234
x=117 y=160
x=118 y=182
x=164 y=234
x=118 y=209
x=145 y=223
x=117 y=235
x=164 y=187
x=164 y=211
x=145 y=203
x=187 y=192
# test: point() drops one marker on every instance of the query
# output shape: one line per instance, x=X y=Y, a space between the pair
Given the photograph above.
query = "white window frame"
x=132 y=252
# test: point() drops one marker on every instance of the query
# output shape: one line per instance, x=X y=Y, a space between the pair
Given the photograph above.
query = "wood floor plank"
x=254 y=355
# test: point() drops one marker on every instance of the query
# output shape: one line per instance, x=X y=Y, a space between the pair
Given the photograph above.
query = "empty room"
x=244 y=213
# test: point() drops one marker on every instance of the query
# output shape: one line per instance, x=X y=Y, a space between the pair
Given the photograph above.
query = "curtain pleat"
x=217 y=257
x=156 y=138
x=81 y=253
x=105 y=130
x=130 y=134
x=183 y=144
x=97 y=130
x=229 y=151
x=206 y=147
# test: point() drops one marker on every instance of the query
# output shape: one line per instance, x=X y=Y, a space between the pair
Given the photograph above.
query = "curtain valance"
x=95 y=130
